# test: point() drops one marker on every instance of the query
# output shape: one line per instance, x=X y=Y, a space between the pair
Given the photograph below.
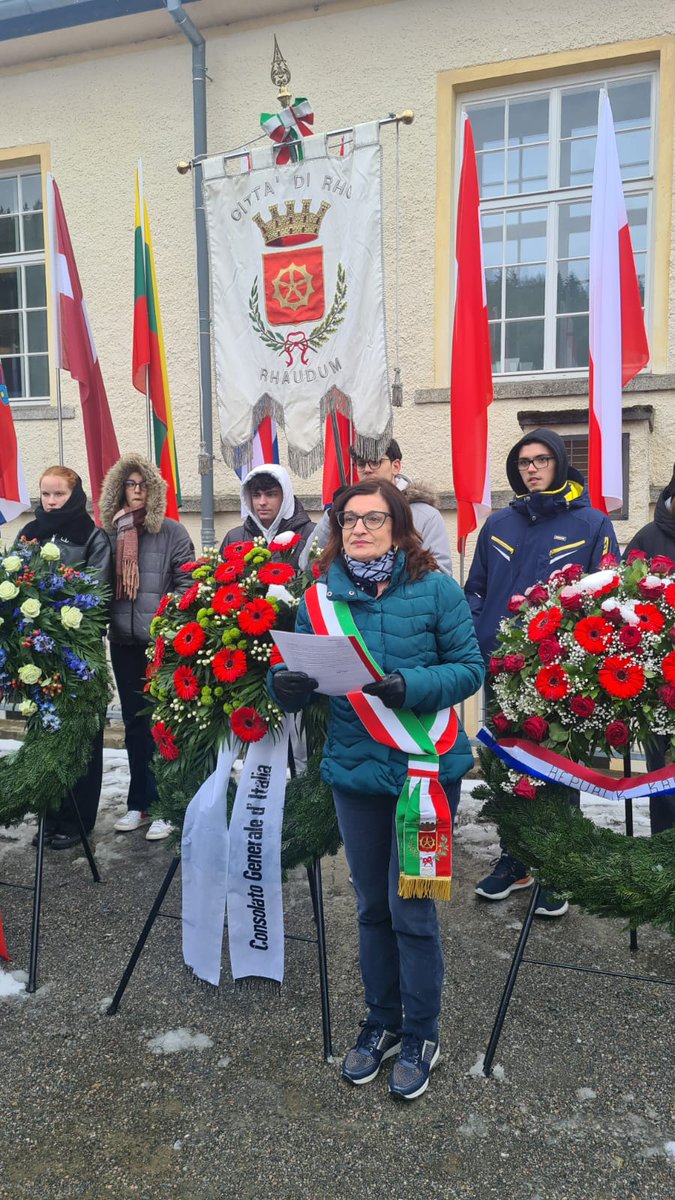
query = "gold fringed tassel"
x=416 y=887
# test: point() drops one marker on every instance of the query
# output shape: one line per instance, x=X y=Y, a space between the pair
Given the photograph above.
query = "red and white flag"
x=471 y=369
x=617 y=341
x=14 y=498
x=75 y=349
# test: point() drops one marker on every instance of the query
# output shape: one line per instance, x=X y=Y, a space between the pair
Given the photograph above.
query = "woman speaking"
x=394 y=757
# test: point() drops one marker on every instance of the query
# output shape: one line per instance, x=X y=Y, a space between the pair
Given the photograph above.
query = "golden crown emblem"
x=301 y=226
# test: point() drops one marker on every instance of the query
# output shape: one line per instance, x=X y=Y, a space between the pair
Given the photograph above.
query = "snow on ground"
x=12 y=984
x=178 y=1039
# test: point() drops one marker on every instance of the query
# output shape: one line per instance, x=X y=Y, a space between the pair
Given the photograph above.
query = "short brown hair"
x=65 y=473
x=404 y=535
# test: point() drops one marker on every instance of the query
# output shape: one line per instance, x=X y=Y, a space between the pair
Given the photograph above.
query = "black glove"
x=293 y=687
x=390 y=690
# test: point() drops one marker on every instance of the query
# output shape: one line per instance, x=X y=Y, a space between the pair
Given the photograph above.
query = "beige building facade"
x=87 y=101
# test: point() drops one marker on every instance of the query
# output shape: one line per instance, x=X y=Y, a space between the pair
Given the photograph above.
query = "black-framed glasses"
x=539 y=460
x=373 y=463
x=371 y=520
x=136 y=485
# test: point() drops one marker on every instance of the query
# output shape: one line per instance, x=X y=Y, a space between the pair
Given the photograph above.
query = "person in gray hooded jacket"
x=149 y=550
x=270 y=509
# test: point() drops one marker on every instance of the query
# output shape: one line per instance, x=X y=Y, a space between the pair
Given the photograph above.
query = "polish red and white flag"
x=617 y=342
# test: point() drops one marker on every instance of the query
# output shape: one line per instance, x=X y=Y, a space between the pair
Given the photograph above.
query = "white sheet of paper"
x=332 y=660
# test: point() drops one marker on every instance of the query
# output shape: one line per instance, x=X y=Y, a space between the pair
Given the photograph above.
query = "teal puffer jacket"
x=423 y=630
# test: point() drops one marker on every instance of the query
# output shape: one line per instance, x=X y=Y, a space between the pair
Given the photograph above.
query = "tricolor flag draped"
x=75 y=349
x=471 y=369
x=149 y=360
x=618 y=346
x=14 y=497
x=264 y=449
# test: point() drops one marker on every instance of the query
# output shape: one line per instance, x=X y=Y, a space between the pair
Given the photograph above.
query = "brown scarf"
x=128 y=522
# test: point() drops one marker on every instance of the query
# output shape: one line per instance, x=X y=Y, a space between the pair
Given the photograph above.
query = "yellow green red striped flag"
x=149 y=360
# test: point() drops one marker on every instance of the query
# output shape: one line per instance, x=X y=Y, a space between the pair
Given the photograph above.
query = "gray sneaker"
x=410 y=1073
x=373 y=1045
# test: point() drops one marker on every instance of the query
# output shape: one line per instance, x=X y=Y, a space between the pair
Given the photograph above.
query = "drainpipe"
x=205 y=459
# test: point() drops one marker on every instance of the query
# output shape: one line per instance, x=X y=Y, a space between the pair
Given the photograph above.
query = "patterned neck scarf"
x=367 y=574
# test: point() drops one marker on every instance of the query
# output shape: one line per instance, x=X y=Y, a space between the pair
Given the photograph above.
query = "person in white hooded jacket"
x=270 y=509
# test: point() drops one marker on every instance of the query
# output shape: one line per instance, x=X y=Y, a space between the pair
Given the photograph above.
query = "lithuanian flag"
x=149 y=360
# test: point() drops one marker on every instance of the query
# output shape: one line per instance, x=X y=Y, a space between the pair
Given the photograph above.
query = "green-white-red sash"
x=423 y=818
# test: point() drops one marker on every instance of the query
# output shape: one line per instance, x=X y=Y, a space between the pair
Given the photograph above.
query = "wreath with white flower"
x=53 y=672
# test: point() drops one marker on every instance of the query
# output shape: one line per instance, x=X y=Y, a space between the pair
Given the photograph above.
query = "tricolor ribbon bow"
x=288 y=127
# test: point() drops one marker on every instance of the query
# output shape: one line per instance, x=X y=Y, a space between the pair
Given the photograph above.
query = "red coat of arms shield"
x=294 y=290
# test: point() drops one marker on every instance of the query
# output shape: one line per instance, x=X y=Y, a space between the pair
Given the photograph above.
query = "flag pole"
x=148 y=411
x=59 y=416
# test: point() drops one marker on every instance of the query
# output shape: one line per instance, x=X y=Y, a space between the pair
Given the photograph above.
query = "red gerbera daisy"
x=552 y=682
x=228 y=599
x=621 y=676
x=165 y=742
x=192 y=566
x=276 y=573
x=544 y=624
x=669 y=595
x=229 y=572
x=162 y=605
x=651 y=620
x=158 y=656
x=189 y=640
x=247 y=725
x=237 y=550
x=257 y=617
x=668 y=667
x=186 y=683
x=593 y=634
x=229 y=665
x=188 y=597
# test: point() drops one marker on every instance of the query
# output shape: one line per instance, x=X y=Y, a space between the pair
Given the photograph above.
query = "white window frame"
x=27 y=258
x=554 y=195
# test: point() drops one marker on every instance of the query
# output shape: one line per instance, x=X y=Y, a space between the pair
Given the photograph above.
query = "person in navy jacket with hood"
x=548 y=524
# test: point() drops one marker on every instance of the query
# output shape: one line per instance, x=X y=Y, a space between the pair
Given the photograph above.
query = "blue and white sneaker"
x=373 y=1045
x=410 y=1073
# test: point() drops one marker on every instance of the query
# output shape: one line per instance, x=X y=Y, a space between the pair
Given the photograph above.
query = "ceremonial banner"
x=298 y=297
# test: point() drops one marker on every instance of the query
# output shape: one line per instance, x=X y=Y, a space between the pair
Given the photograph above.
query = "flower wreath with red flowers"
x=589 y=667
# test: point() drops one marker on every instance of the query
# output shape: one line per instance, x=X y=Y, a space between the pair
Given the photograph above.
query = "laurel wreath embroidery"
x=320 y=334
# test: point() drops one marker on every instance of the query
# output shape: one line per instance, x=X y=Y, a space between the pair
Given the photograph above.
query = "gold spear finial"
x=280 y=75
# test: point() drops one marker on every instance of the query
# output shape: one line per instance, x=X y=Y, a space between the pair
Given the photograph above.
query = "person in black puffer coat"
x=61 y=517
x=658 y=538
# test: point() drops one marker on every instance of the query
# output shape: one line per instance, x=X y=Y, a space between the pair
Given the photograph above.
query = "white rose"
x=31 y=608
x=30 y=673
x=12 y=564
x=8 y=590
x=27 y=708
x=50 y=551
x=71 y=617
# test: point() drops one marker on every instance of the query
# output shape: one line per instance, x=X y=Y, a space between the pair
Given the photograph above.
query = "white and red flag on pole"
x=471 y=369
x=617 y=340
x=75 y=349
x=14 y=498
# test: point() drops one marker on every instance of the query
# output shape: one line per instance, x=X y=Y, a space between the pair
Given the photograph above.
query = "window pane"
x=36 y=291
x=640 y=267
x=579 y=112
x=495 y=346
x=527 y=169
x=493 y=289
x=31 y=193
x=10 y=288
x=492 y=226
x=574 y=230
x=8 y=196
x=38 y=370
x=633 y=149
x=526 y=236
x=576 y=162
x=525 y=288
x=524 y=346
x=33 y=235
x=11 y=335
x=631 y=103
x=573 y=286
x=636 y=208
x=37 y=331
x=487 y=123
x=491 y=173
x=572 y=342
x=9 y=235
x=14 y=377
x=528 y=120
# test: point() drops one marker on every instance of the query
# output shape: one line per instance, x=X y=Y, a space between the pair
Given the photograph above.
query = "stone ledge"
x=542 y=389
x=40 y=412
x=532 y=418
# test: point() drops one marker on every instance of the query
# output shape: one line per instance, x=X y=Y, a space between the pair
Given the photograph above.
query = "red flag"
x=14 y=498
x=471 y=369
x=76 y=351
x=617 y=341
x=4 y=953
x=332 y=479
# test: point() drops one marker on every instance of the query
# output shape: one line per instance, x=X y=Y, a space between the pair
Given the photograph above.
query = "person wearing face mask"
x=385 y=591
x=270 y=509
x=61 y=517
x=149 y=550
x=547 y=525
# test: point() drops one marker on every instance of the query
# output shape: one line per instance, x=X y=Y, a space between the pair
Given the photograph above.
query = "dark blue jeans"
x=128 y=664
x=400 y=953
